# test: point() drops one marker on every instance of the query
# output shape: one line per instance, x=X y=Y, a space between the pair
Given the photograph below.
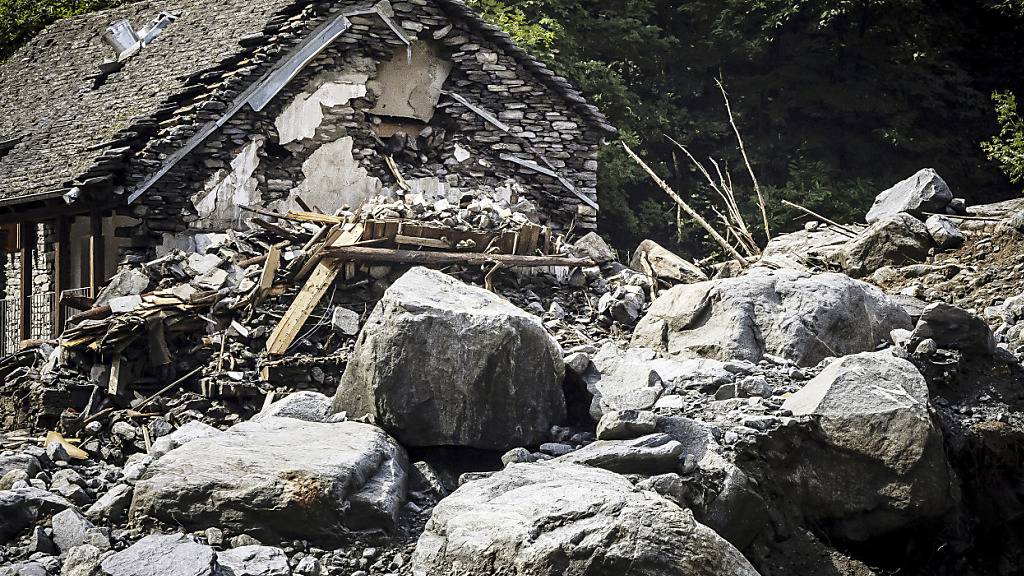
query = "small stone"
x=517 y=456
x=556 y=448
x=926 y=347
x=626 y=424
x=214 y=537
x=345 y=321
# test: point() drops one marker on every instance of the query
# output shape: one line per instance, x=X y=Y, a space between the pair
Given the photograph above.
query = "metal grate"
x=9 y=316
x=41 y=318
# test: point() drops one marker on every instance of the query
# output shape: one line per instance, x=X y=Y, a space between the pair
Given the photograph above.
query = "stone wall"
x=325 y=135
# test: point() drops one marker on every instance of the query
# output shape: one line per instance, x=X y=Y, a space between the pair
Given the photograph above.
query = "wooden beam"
x=97 y=255
x=363 y=254
x=287 y=330
x=61 y=261
x=26 y=241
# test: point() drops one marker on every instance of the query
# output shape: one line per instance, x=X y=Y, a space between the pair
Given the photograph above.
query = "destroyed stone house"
x=129 y=132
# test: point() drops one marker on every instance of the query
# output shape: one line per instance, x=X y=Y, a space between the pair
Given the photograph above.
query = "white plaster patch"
x=410 y=88
x=334 y=178
x=218 y=203
x=305 y=114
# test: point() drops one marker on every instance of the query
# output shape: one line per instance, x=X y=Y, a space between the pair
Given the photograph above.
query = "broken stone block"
x=592 y=246
x=345 y=321
x=953 y=328
x=524 y=518
x=486 y=374
x=652 y=259
x=346 y=476
x=125 y=283
x=254 y=560
x=890 y=241
x=923 y=192
x=944 y=232
x=626 y=424
x=168 y=555
x=651 y=454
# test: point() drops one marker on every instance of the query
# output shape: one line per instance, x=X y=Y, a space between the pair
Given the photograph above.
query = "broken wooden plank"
x=314 y=217
x=270 y=267
x=364 y=254
x=421 y=241
x=312 y=292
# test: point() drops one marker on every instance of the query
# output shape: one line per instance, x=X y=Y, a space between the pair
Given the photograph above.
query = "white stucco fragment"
x=334 y=178
x=217 y=204
x=305 y=114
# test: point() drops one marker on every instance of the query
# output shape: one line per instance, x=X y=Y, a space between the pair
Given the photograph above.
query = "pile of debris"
x=305 y=398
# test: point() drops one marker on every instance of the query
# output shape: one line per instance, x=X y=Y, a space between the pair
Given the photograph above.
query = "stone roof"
x=65 y=121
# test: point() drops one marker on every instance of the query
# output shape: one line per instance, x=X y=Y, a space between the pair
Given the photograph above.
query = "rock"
x=622 y=380
x=23 y=462
x=82 y=560
x=279 y=478
x=651 y=454
x=923 y=192
x=20 y=507
x=7 y=481
x=954 y=328
x=695 y=436
x=345 y=321
x=166 y=555
x=555 y=448
x=308 y=566
x=801 y=317
x=592 y=246
x=304 y=405
x=563 y=519
x=70 y=529
x=193 y=430
x=128 y=282
x=517 y=456
x=41 y=542
x=624 y=304
x=892 y=241
x=254 y=561
x=441 y=363
x=214 y=537
x=801 y=249
x=625 y=425
x=737 y=512
x=112 y=506
x=944 y=232
x=652 y=259
x=883 y=466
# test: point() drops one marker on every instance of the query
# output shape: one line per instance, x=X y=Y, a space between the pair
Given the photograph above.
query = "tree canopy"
x=836 y=99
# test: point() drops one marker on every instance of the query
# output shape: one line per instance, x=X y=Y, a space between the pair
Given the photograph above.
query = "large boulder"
x=923 y=192
x=651 y=454
x=652 y=259
x=944 y=232
x=22 y=506
x=880 y=465
x=801 y=317
x=803 y=249
x=441 y=363
x=892 y=241
x=166 y=555
x=953 y=328
x=565 y=519
x=279 y=479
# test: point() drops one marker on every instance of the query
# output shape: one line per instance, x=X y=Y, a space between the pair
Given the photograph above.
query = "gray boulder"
x=163 y=555
x=82 y=560
x=304 y=405
x=21 y=507
x=736 y=511
x=279 y=478
x=923 y=192
x=70 y=529
x=803 y=249
x=442 y=363
x=882 y=466
x=21 y=462
x=620 y=380
x=592 y=246
x=651 y=259
x=563 y=519
x=112 y=506
x=695 y=436
x=193 y=430
x=253 y=560
x=892 y=241
x=953 y=328
x=944 y=232
x=801 y=317
x=651 y=454
x=627 y=424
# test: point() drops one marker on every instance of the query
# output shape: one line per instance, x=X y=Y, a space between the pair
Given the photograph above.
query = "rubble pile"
x=216 y=413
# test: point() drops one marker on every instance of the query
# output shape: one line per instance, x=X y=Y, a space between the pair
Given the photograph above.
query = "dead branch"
x=746 y=160
x=843 y=229
x=686 y=207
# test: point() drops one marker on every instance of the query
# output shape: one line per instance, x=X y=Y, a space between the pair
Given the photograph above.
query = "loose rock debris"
x=304 y=398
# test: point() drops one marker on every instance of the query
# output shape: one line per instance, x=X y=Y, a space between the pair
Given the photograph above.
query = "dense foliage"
x=22 y=19
x=837 y=99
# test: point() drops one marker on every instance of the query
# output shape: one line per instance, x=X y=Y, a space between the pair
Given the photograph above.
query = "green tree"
x=20 y=20
x=1008 y=147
